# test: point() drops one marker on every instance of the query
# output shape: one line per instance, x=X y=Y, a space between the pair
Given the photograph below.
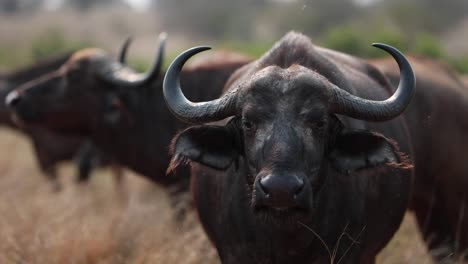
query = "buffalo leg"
x=117 y=171
x=435 y=228
x=86 y=158
x=51 y=174
x=47 y=165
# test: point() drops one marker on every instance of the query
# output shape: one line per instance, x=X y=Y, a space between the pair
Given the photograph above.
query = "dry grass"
x=98 y=223
x=406 y=247
x=101 y=223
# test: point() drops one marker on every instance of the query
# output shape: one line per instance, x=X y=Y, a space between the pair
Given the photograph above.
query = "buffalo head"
x=284 y=131
x=90 y=90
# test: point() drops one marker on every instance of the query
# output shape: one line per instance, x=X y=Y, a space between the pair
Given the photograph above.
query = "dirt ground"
x=105 y=223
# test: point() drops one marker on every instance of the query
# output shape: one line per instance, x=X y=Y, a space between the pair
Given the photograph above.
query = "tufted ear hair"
x=213 y=146
x=359 y=149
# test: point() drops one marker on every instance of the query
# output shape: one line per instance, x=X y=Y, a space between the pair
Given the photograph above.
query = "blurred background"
x=133 y=223
x=32 y=29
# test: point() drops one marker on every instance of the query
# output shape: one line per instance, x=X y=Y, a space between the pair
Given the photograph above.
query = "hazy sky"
x=139 y=4
x=142 y=4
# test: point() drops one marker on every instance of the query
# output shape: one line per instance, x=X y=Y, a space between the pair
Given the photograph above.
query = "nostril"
x=263 y=188
x=12 y=99
x=299 y=187
x=281 y=191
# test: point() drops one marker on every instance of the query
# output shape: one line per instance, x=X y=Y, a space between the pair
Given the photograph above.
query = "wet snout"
x=13 y=99
x=16 y=103
x=28 y=100
x=282 y=182
x=281 y=191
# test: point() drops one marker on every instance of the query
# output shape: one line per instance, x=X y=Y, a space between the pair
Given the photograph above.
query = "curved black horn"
x=124 y=49
x=185 y=110
x=120 y=75
x=347 y=104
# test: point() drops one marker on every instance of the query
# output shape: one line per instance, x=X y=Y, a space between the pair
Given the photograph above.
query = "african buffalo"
x=297 y=174
x=121 y=111
x=438 y=130
x=50 y=147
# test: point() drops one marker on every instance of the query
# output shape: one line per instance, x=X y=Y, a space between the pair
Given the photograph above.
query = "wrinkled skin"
x=438 y=132
x=130 y=124
x=50 y=147
x=354 y=182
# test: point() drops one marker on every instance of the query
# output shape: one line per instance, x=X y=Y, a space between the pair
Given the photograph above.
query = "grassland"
x=102 y=223
x=106 y=223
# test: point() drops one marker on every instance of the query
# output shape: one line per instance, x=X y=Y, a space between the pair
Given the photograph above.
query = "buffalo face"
x=285 y=166
x=90 y=90
x=284 y=127
x=284 y=133
x=58 y=97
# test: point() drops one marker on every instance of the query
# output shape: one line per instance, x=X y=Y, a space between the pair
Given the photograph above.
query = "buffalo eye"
x=114 y=107
x=248 y=125
x=114 y=103
x=317 y=122
x=320 y=123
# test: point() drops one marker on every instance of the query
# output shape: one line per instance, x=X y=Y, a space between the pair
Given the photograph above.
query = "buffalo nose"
x=12 y=99
x=280 y=191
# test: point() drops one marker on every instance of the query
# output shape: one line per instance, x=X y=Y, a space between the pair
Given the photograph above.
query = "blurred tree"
x=53 y=41
x=16 y=6
x=460 y=63
x=345 y=39
x=427 y=45
x=85 y=5
x=9 y=6
x=347 y=25
x=312 y=17
x=244 y=18
x=210 y=18
x=434 y=16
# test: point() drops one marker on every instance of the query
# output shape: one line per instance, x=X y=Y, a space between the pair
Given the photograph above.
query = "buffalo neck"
x=143 y=145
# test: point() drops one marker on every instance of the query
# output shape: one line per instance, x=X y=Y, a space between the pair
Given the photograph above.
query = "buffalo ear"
x=213 y=146
x=114 y=109
x=359 y=149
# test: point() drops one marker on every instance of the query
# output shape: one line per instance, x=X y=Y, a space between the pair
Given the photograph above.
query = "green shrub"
x=346 y=40
x=357 y=40
x=428 y=45
x=389 y=37
x=51 y=42
x=139 y=64
x=254 y=49
x=461 y=64
x=11 y=58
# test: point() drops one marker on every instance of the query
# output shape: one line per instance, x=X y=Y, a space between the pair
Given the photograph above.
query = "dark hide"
x=50 y=147
x=357 y=182
x=352 y=209
x=438 y=130
x=130 y=124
